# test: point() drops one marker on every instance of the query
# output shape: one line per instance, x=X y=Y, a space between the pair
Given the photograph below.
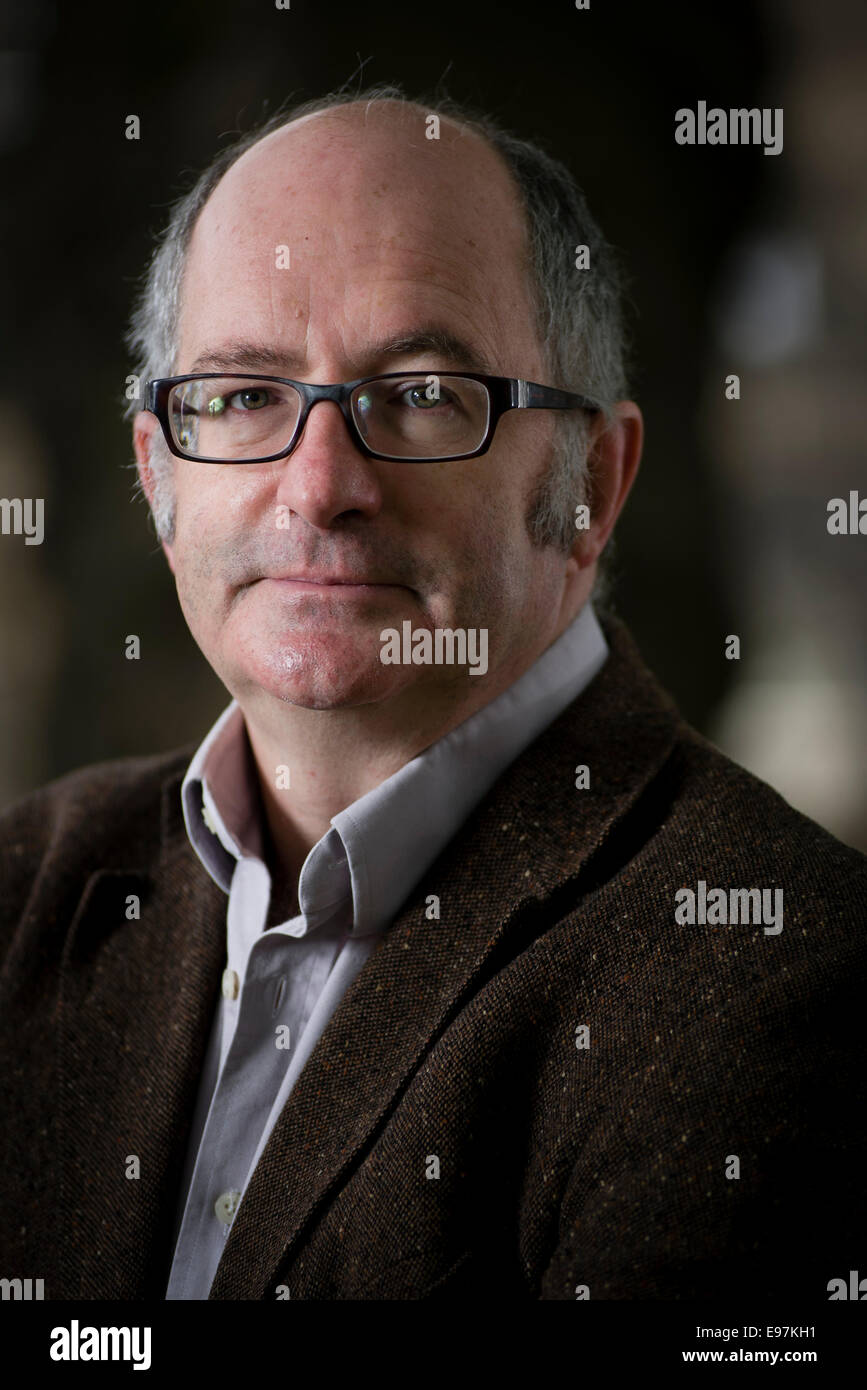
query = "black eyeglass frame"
x=504 y=393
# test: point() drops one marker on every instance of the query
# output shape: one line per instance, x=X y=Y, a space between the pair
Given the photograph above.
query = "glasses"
x=408 y=417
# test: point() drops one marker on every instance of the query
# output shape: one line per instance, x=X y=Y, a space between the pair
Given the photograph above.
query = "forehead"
x=379 y=222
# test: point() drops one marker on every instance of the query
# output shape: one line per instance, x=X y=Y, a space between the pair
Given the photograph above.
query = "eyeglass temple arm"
x=529 y=395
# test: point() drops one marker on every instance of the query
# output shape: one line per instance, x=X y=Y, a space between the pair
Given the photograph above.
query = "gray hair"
x=578 y=312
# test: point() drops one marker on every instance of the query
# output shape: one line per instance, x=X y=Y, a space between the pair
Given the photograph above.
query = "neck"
x=334 y=757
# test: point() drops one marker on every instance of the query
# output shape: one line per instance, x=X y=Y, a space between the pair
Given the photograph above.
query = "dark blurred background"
x=739 y=262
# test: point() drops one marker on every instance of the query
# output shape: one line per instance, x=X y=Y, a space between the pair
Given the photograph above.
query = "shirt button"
x=226 y=1205
x=231 y=984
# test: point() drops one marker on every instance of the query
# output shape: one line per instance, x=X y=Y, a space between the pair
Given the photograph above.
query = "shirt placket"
x=253 y=1001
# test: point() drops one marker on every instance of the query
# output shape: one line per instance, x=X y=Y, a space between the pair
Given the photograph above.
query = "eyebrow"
x=250 y=356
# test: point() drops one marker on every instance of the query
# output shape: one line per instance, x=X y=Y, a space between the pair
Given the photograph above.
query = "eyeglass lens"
x=409 y=417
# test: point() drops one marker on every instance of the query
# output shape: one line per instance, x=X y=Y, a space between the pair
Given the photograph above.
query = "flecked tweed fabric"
x=454 y=1051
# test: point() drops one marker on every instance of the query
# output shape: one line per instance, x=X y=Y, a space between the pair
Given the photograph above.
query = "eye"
x=251 y=398
x=421 y=396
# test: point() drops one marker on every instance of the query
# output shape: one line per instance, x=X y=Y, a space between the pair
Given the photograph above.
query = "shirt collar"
x=218 y=789
x=379 y=847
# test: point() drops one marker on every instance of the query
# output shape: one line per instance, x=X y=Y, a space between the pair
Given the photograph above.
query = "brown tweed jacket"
x=608 y=1166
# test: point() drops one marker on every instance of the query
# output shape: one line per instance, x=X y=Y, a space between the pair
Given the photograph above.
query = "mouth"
x=327 y=584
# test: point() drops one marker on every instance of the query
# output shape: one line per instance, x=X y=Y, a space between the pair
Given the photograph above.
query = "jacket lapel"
x=135 y=1006
x=535 y=833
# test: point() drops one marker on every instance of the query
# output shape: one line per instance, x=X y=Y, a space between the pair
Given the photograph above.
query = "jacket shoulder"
x=729 y=811
x=98 y=792
x=701 y=809
x=104 y=815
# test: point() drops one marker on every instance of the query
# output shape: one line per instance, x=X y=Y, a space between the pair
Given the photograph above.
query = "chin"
x=321 y=675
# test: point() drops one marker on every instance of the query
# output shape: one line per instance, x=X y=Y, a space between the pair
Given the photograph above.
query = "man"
x=453 y=963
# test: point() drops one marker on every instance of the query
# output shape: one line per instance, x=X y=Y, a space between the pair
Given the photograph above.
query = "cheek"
x=482 y=531
x=217 y=496
x=214 y=520
x=200 y=541
x=199 y=605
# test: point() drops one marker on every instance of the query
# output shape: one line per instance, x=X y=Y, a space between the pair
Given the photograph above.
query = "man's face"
x=390 y=235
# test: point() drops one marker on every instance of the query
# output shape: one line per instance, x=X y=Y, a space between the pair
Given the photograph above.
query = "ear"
x=613 y=456
x=145 y=437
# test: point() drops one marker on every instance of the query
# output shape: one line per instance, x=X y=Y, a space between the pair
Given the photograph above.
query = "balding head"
x=378 y=221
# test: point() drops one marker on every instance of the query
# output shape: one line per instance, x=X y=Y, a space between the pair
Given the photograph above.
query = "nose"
x=326 y=477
